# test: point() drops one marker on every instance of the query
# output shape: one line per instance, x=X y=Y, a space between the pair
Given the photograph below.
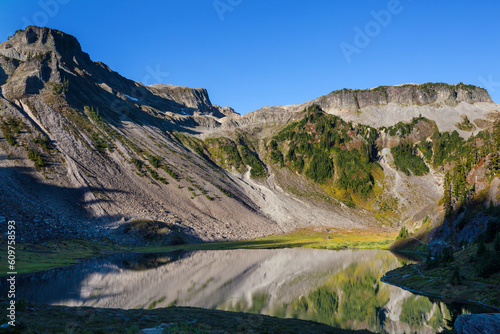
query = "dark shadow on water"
x=407 y=256
x=60 y=284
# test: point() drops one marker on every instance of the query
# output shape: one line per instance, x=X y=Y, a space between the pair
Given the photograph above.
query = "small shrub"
x=224 y=191
x=403 y=233
x=154 y=161
x=171 y=172
x=14 y=124
x=155 y=175
x=7 y=132
x=10 y=139
x=133 y=330
x=35 y=156
x=59 y=88
x=99 y=143
x=138 y=163
x=44 y=142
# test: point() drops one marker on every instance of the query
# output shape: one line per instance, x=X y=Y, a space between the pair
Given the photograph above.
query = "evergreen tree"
x=447 y=195
x=431 y=263
x=481 y=249
x=403 y=233
x=321 y=167
x=496 y=245
x=491 y=230
x=447 y=255
x=455 y=276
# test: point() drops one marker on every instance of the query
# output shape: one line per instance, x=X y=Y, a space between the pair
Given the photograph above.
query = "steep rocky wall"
x=409 y=94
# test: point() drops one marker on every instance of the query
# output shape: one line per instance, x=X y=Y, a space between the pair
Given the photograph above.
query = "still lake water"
x=339 y=288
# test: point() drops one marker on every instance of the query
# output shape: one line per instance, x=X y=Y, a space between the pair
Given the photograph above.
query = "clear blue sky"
x=251 y=53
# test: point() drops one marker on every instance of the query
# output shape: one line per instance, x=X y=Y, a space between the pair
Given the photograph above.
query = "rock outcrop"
x=487 y=323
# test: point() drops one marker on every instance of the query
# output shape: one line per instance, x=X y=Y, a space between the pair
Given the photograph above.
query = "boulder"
x=486 y=323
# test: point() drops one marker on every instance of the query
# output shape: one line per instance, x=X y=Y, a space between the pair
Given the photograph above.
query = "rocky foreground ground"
x=34 y=318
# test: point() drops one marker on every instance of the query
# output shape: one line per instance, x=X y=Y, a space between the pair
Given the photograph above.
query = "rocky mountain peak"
x=38 y=59
x=38 y=41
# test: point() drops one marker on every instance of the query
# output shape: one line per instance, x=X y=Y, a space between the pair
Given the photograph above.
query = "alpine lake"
x=341 y=288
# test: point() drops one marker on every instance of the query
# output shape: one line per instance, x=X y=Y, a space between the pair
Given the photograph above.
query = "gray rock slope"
x=90 y=184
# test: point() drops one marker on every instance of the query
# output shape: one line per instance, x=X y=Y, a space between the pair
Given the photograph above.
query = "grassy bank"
x=456 y=280
x=34 y=318
x=52 y=254
x=31 y=258
x=314 y=237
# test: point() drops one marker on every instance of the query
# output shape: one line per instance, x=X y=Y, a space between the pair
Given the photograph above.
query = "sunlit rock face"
x=340 y=288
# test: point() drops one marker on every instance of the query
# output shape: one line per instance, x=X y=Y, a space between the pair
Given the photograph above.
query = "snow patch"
x=131 y=98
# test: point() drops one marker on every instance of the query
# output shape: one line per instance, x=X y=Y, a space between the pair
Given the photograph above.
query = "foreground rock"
x=478 y=323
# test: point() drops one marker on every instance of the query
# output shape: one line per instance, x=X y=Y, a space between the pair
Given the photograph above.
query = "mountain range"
x=87 y=153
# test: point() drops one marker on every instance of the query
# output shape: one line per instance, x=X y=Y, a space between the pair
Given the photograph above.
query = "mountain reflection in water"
x=340 y=288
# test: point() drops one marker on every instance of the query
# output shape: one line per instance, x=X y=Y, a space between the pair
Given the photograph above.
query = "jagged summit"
x=39 y=57
x=38 y=41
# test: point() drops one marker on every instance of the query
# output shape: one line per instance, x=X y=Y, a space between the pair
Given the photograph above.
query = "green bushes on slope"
x=321 y=167
x=406 y=160
x=322 y=144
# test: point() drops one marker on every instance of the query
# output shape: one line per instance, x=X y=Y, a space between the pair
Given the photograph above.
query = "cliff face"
x=410 y=94
x=387 y=105
x=194 y=101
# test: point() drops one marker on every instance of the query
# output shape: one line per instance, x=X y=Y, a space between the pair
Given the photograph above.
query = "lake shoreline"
x=53 y=254
x=398 y=277
x=392 y=281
